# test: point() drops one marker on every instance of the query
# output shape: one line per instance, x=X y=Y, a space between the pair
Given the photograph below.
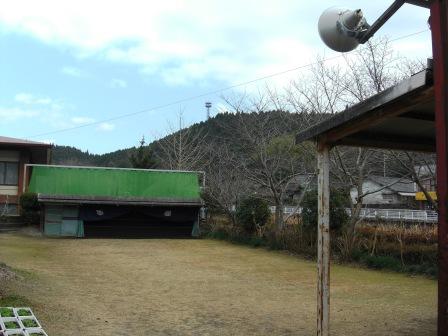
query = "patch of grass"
x=30 y=323
x=14 y=301
x=428 y=269
x=24 y=312
x=24 y=273
x=219 y=235
x=6 y=312
x=12 y=325
x=382 y=262
x=248 y=240
x=394 y=264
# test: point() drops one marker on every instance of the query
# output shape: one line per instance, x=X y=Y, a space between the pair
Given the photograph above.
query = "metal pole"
x=323 y=241
x=381 y=20
x=439 y=31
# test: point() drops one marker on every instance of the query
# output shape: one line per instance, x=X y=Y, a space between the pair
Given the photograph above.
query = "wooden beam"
x=323 y=241
x=387 y=141
x=418 y=116
x=391 y=110
x=439 y=31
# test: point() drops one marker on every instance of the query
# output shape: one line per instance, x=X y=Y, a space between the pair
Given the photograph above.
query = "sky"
x=98 y=75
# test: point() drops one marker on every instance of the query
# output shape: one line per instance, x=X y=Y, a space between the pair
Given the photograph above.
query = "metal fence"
x=399 y=215
x=287 y=210
x=408 y=215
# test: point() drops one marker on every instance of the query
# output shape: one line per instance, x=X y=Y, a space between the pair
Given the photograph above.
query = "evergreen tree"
x=143 y=157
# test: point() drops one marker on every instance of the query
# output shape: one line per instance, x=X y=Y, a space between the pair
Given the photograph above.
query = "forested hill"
x=217 y=130
x=66 y=155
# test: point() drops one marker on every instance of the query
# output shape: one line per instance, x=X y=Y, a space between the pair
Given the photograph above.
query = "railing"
x=387 y=214
x=287 y=210
x=399 y=215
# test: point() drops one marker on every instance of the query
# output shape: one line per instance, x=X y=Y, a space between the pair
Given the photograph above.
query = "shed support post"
x=439 y=31
x=323 y=241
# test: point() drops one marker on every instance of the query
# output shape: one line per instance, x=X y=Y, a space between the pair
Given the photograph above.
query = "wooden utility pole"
x=323 y=241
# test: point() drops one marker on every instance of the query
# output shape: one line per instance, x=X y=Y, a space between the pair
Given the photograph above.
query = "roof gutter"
x=117 y=201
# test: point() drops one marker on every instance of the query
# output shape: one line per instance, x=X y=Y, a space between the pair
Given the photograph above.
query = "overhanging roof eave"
x=390 y=102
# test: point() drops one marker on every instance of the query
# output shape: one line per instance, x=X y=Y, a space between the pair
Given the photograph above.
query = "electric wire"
x=205 y=94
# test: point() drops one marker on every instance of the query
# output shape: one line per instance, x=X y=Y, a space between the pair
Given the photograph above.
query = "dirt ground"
x=203 y=287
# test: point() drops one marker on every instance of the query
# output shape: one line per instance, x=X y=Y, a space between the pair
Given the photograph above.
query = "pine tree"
x=143 y=158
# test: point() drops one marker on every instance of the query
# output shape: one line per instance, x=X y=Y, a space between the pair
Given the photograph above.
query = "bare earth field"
x=203 y=287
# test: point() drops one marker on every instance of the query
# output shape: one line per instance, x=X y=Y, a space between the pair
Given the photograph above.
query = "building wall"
x=62 y=221
x=22 y=155
x=9 y=194
x=383 y=197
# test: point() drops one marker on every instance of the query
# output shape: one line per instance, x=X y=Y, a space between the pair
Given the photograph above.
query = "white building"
x=386 y=192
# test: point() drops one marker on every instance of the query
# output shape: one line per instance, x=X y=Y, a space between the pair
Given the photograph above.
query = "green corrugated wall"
x=118 y=183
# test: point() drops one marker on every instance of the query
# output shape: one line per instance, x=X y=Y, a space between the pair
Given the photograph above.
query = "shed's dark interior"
x=138 y=222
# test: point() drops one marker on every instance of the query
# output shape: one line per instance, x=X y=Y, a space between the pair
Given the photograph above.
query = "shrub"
x=380 y=262
x=252 y=214
x=338 y=215
x=30 y=208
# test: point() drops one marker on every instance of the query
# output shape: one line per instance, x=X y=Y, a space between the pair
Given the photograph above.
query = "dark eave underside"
x=401 y=117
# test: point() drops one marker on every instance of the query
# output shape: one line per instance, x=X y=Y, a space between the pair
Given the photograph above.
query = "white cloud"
x=105 y=126
x=116 y=83
x=82 y=120
x=73 y=72
x=29 y=99
x=49 y=111
x=15 y=113
x=193 y=40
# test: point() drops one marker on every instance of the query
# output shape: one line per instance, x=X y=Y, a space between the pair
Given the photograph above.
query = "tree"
x=252 y=214
x=143 y=158
x=270 y=159
x=184 y=149
x=331 y=88
x=338 y=214
x=225 y=184
x=420 y=166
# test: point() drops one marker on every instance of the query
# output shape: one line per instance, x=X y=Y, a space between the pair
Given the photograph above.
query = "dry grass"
x=411 y=234
x=204 y=287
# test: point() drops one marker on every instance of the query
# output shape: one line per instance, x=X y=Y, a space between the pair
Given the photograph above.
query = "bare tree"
x=270 y=159
x=185 y=148
x=329 y=89
x=225 y=183
x=421 y=166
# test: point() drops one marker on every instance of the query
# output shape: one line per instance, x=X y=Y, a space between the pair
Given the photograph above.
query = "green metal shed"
x=116 y=202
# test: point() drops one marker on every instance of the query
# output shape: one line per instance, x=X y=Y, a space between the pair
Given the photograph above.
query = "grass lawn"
x=203 y=287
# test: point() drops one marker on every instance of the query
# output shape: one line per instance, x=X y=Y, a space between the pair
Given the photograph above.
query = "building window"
x=9 y=173
x=8 y=210
x=388 y=197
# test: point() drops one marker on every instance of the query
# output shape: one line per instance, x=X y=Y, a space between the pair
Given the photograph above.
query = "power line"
x=202 y=95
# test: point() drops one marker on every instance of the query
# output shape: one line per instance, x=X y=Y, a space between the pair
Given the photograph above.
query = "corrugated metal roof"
x=15 y=141
x=394 y=183
x=115 y=184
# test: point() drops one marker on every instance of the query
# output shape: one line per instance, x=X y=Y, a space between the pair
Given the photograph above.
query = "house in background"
x=14 y=154
x=387 y=192
x=427 y=176
x=383 y=192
